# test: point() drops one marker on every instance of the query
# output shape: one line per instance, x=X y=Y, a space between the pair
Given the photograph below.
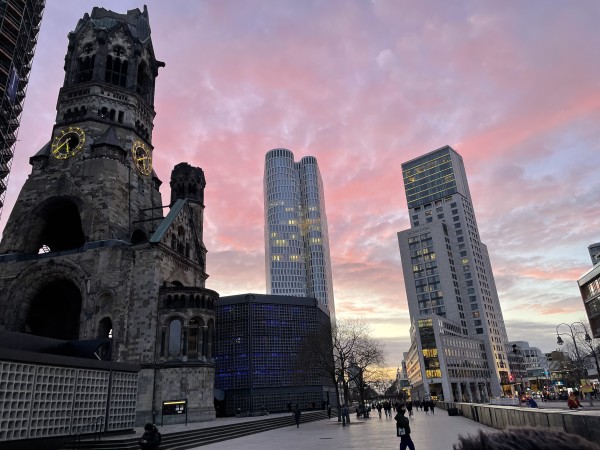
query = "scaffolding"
x=19 y=27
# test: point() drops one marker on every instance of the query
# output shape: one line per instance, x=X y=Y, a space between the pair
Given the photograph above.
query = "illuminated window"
x=430 y=352
x=435 y=373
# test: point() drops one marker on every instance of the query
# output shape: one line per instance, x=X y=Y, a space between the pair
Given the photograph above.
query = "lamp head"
x=559 y=341
x=588 y=339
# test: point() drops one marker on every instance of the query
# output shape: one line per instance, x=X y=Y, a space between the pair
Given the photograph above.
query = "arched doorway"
x=105 y=328
x=55 y=311
x=60 y=227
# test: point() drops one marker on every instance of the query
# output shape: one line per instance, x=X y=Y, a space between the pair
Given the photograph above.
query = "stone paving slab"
x=429 y=432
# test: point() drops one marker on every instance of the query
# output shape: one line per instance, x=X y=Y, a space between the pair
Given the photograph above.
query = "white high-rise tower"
x=297 y=257
x=458 y=334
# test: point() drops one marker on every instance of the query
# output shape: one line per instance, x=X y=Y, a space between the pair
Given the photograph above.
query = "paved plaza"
x=432 y=432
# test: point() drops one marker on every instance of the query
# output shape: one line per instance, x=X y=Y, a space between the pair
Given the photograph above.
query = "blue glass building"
x=258 y=340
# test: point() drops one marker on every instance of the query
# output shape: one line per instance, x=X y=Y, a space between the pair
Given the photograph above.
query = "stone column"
x=459 y=391
x=470 y=392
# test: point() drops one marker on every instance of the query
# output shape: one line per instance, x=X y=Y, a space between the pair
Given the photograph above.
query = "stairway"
x=203 y=436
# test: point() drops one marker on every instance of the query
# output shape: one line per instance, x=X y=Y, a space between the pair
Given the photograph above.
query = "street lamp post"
x=573 y=333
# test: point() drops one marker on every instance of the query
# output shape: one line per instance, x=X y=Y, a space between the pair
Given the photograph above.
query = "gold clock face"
x=68 y=142
x=142 y=157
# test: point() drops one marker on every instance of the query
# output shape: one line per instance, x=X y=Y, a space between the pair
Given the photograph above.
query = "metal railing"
x=95 y=428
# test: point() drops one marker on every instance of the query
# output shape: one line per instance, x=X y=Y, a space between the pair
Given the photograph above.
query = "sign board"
x=173 y=407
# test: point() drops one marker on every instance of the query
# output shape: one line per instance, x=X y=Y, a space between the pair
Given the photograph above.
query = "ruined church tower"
x=88 y=251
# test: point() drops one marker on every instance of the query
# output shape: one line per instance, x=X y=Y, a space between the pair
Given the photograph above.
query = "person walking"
x=345 y=414
x=432 y=406
x=297 y=413
x=379 y=407
x=573 y=401
x=328 y=411
x=403 y=430
x=426 y=407
x=409 y=407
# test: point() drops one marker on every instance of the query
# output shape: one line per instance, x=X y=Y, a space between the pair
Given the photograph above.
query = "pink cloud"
x=365 y=86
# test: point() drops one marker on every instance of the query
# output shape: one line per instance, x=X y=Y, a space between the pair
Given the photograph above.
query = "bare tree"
x=367 y=357
x=579 y=349
x=344 y=353
x=383 y=384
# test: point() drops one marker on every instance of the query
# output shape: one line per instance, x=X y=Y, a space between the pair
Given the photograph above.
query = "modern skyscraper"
x=297 y=257
x=458 y=335
x=589 y=288
x=19 y=27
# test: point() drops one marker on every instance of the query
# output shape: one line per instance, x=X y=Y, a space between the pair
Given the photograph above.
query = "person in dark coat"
x=432 y=406
x=426 y=407
x=151 y=438
x=297 y=413
x=403 y=430
x=328 y=411
x=345 y=414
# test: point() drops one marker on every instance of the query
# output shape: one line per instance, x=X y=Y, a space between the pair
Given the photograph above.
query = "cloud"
x=364 y=87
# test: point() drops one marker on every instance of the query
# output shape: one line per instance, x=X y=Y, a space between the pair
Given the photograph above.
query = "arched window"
x=195 y=338
x=180 y=240
x=61 y=227
x=175 y=338
x=210 y=347
x=138 y=237
x=86 y=68
x=143 y=79
x=105 y=329
x=116 y=71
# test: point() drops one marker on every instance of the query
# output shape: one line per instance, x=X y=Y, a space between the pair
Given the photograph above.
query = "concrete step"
x=183 y=440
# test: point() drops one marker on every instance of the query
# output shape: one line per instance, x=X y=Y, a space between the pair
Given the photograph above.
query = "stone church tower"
x=87 y=251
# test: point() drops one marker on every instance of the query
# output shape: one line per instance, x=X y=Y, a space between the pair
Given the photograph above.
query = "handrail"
x=94 y=426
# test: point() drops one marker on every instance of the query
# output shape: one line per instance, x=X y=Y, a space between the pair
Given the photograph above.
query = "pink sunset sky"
x=513 y=86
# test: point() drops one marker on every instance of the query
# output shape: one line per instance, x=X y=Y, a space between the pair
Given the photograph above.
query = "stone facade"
x=87 y=251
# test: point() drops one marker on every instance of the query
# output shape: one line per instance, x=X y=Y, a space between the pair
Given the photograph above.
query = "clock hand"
x=61 y=145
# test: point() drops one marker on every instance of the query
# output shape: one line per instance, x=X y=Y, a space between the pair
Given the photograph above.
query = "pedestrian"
x=297 y=415
x=379 y=408
x=426 y=407
x=151 y=438
x=432 y=406
x=409 y=407
x=573 y=401
x=328 y=411
x=345 y=415
x=403 y=430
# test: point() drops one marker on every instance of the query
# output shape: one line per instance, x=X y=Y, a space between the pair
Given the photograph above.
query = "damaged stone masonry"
x=87 y=252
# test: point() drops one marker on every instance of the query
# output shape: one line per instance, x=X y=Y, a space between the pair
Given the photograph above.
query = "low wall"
x=501 y=417
x=44 y=396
